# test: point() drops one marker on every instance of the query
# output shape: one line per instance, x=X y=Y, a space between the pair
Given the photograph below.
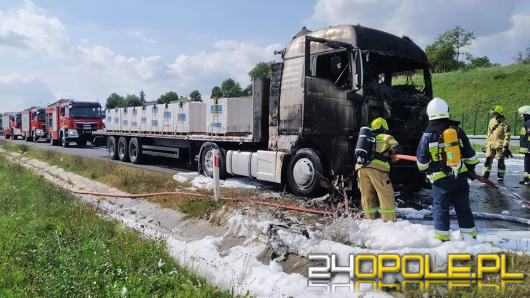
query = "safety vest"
x=524 y=138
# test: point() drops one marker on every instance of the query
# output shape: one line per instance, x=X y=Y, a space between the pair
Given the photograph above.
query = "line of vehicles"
x=299 y=128
x=61 y=122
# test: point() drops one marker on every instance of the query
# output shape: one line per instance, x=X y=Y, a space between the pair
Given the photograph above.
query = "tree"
x=115 y=101
x=168 y=97
x=216 y=92
x=458 y=38
x=475 y=62
x=444 y=53
x=523 y=58
x=142 y=96
x=441 y=58
x=261 y=70
x=231 y=88
x=195 y=95
x=132 y=100
x=247 y=91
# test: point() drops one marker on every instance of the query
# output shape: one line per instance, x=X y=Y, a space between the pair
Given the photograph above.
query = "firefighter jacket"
x=384 y=145
x=498 y=133
x=524 y=138
x=430 y=150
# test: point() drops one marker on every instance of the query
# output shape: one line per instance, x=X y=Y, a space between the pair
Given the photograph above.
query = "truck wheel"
x=112 y=147
x=123 y=150
x=206 y=161
x=135 y=151
x=304 y=172
x=64 y=142
x=28 y=137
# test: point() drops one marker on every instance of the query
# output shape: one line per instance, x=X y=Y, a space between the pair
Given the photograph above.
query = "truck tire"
x=135 y=151
x=123 y=149
x=304 y=172
x=112 y=147
x=206 y=160
x=64 y=142
x=28 y=137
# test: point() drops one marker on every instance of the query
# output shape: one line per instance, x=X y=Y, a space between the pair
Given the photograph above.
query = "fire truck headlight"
x=72 y=133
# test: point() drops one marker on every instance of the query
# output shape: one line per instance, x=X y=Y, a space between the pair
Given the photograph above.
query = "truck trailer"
x=34 y=124
x=72 y=121
x=12 y=125
x=303 y=122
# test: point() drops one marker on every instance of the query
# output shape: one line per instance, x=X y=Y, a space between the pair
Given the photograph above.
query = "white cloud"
x=29 y=29
x=424 y=20
x=91 y=72
x=203 y=70
x=18 y=92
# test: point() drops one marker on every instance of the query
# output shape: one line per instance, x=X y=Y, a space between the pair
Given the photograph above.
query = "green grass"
x=125 y=178
x=474 y=92
x=53 y=246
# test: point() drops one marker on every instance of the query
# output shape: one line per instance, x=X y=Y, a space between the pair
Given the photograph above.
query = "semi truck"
x=34 y=124
x=303 y=122
x=72 y=121
x=12 y=125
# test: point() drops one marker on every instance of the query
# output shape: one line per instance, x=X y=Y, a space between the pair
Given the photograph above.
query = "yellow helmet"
x=498 y=109
x=378 y=123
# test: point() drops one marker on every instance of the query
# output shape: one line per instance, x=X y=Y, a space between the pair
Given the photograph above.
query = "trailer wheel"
x=135 y=151
x=123 y=150
x=112 y=147
x=304 y=172
x=64 y=142
x=206 y=160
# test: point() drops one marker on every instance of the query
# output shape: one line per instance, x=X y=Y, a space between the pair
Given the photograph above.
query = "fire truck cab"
x=72 y=121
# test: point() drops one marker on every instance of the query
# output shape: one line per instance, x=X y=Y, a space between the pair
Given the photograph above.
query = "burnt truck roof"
x=364 y=38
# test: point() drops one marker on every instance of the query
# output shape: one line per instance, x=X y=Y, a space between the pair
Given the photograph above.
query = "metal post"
x=475 y=123
x=463 y=123
x=216 y=165
x=515 y=121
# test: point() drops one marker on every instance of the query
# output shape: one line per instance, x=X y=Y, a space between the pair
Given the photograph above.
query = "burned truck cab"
x=332 y=82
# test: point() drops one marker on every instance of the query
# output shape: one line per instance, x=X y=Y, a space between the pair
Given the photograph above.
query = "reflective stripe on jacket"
x=524 y=138
x=498 y=133
x=383 y=144
x=430 y=157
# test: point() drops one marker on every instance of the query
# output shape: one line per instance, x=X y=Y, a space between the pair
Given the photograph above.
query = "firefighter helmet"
x=379 y=123
x=437 y=109
x=498 y=109
x=524 y=110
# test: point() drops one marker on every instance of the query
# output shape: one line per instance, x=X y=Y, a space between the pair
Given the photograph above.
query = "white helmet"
x=437 y=109
x=524 y=110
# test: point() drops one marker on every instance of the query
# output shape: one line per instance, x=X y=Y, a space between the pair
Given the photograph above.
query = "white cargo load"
x=25 y=121
x=190 y=117
x=229 y=115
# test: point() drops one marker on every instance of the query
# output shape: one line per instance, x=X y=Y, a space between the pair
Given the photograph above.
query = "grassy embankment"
x=128 y=179
x=476 y=91
x=51 y=245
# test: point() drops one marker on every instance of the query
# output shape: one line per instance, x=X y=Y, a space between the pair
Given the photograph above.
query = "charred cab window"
x=336 y=68
x=85 y=112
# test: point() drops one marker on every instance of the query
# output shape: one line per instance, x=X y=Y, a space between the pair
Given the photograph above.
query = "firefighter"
x=524 y=140
x=377 y=193
x=446 y=156
x=497 y=142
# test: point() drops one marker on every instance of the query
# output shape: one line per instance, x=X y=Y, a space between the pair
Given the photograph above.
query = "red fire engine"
x=34 y=124
x=72 y=121
x=12 y=124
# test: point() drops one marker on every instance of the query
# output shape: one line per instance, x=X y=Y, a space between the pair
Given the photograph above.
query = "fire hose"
x=482 y=179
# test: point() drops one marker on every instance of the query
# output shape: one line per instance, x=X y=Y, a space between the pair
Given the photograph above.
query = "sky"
x=88 y=49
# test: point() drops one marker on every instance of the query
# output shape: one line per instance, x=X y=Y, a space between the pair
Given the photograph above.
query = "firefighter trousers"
x=527 y=166
x=377 y=194
x=446 y=192
x=490 y=154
